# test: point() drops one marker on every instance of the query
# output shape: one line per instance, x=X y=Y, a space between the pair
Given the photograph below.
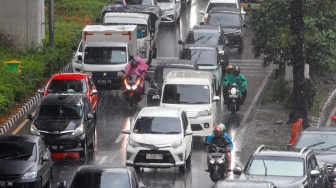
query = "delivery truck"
x=106 y=51
x=147 y=19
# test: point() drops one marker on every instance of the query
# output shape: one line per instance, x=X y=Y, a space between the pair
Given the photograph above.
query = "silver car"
x=171 y=10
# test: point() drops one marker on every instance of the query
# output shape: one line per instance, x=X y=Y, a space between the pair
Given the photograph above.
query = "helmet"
x=134 y=62
x=218 y=131
x=223 y=126
x=236 y=70
x=229 y=69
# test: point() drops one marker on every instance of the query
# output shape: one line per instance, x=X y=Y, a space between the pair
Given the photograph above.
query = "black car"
x=290 y=169
x=25 y=161
x=205 y=34
x=214 y=57
x=164 y=66
x=66 y=123
x=231 y=21
x=104 y=177
x=322 y=140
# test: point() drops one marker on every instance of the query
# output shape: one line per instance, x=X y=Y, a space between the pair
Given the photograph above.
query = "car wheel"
x=189 y=161
x=92 y=145
x=183 y=168
x=48 y=184
x=83 y=154
x=137 y=168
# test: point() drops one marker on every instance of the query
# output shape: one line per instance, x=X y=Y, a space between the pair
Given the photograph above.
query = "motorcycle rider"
x=227 y=136
x=137 y=66
x=237 y=78
x=219 y=140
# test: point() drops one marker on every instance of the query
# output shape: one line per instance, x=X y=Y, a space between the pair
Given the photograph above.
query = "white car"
x=160 y=137
x=171 y=10
x=221 y=3
x=77 y=64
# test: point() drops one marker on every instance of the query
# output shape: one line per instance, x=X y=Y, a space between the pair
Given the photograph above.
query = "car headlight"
x=238 y=32
x=176 y=144
x=204 y=113
x=78 y=131
x=133 y=143
x=34 y=130
x=234 y=91
x=29 y=175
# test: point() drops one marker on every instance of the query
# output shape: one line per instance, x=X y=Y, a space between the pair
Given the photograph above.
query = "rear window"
x=18 y=151
x=157 y=125
x=60 y=111
x=203 y=37
x=229 y=5
x=186 y=94
x=67 y=86
x=100 y=179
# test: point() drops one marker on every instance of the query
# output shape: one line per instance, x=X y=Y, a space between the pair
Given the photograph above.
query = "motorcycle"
x=217 y=163
x=234 y=97
x=132 y=93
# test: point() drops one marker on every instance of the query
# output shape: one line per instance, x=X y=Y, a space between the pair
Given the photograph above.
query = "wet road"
x=114 y=114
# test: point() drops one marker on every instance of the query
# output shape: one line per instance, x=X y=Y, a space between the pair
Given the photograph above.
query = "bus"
x=250 y=4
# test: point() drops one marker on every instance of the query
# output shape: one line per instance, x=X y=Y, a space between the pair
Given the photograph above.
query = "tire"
x=48 y=184
x=92 y=145
x=137 y=168
x=188 y=161
x=183 y=168
x=83 y=154
x=154 y=55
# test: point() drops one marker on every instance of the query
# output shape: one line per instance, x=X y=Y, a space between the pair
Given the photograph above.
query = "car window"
x=157 y=125
x=202 y=37
x=186 y=94
x=204 y=57
x=185 y=120
x=313 y=162
x=224 y=19
x=167 y=70
x=18 y=151
x=67 y=86
x=69 y=111
x=100 y=179
x=229 y=5
x=141 y=28
x=105 y=55
x=277 y=167
x=165 y=1
x=320 y=140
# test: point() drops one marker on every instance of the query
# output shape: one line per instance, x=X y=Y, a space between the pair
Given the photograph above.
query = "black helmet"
x=236 y=70
x=134 y=62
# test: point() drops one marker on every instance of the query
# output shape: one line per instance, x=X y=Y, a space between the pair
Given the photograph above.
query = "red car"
x=72 y=83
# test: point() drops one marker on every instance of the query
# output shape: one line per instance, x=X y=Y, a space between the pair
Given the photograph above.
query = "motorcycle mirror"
x=237 y=171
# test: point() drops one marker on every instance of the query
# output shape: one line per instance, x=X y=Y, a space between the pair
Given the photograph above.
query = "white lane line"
x=119 y=138
x=102 y=160
x=22 y=124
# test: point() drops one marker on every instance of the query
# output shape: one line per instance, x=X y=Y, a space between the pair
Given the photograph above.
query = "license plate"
x=54 y=147
x=216 y=154
x=5 y=184
x=102 y=81
x=233 y=96
x=154 y=156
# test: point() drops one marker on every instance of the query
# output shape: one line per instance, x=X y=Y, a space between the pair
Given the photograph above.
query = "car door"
x=90 y=123
x=77 y=64
x=43 y=166
x=92 y=97
x=186 y=127
x=312 y=165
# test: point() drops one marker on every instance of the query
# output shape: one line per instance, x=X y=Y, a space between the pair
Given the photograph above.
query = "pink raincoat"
x=142 y=66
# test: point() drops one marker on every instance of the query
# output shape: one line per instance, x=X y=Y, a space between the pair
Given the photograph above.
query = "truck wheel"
x=154 y=53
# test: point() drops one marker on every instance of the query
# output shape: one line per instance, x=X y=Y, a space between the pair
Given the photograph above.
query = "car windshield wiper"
x=152 y=132
x=17 y=156
x=172 y=132
x=319 y=143
x=329 y=147
x=207 y=39
x=198 y=39
x=265 y=168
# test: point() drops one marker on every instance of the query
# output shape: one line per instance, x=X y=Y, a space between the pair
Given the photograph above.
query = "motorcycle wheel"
x=214 y=176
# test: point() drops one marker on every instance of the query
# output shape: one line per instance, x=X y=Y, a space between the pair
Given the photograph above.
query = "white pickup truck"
x=106 y=51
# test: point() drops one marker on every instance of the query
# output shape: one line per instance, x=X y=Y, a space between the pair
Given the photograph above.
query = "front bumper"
x=64 y=143
x=170 y=157
x=234 y=41
x=201 y=126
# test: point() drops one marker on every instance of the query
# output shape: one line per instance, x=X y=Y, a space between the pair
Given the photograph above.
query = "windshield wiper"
x=319 y=143
x=265 y=168
x=18 y=156
x=207 y=39
x=198 y=39
x=329 y=147
x=172 y=132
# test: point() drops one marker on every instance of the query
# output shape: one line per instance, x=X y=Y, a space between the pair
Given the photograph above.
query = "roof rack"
x=303 y=150
x=260 y=148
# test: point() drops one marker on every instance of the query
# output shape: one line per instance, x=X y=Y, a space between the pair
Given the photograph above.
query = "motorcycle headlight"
x=78 y=131
x=212 y=161
x=204 y=113
x=134 y=87
x=238 y=32
x=221 y=161
x=34 y=130
x=176 y=144
x=133 y=143
x=128 y=87
x=233 y=91
x=29 y=175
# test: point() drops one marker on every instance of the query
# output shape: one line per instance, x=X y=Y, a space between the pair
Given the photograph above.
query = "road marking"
x=22 y=124
x=102 y=160
x=119 y=138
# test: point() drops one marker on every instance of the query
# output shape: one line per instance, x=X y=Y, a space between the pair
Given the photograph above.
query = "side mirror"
x=201 y=23
x=237 y=171
x=90 y=116
x=221 y=52
x=41 y=91
x=216 y=98
x=62 y=184
x=126 y=131
x=94 y=92
x=80 y=58
x=30 y=117
x=45 y=158
x=187 y=133
x=180 y=42
x=314 y=174
x=201 y=12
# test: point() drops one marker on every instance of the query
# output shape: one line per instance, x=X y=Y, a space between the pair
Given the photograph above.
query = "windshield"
x=67 y=86
x=166 y=71
x=165 y=1
x=203 y=57
x=157 y=125
x=68 y=111
x=100 y=179
x=293 y=167
x=18 y=151
x=105 y=55
x=224 y=19
x=139 y=2
x=186 y=94
x=217 y=5
x=326 y=140
x=202 y=37
x=141 y=28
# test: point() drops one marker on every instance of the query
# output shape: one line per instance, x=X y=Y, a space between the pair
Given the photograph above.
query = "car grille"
x=141 y=157
x=196 y=127
x=5 y=177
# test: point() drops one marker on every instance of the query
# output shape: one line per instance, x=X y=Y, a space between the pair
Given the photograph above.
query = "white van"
x=194 y=92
